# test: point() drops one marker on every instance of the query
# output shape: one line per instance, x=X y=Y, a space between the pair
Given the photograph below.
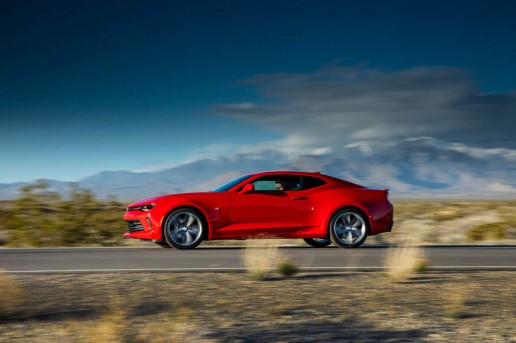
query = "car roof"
x=327 y=178
x=294 y=173
x=289 y=172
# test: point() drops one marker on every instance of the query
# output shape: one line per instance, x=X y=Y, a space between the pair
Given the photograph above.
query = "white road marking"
x=217 y=269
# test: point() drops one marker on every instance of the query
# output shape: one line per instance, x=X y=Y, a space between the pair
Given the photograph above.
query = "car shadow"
x=317 y=331
x=290 y=247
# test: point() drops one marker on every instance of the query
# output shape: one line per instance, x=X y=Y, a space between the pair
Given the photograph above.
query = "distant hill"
x=420 y=167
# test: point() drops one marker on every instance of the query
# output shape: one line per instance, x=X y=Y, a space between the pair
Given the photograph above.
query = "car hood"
x=158 y=198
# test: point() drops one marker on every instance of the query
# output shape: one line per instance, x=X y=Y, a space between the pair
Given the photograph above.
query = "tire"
x=163 y=245
x=317 y=242
x=348 y=228
x=184 y=228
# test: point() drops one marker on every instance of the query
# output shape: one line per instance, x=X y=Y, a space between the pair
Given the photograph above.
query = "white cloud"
x=499 y=187
x=508 y=154
x=424 y=131
x=339 y=106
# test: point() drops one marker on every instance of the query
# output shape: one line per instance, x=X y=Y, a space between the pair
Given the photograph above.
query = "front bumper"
x=141 y=225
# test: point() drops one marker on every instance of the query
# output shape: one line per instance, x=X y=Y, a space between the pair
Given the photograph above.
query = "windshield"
x=227 y=186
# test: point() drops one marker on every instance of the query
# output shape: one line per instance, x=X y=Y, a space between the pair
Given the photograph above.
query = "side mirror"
x=248 y=188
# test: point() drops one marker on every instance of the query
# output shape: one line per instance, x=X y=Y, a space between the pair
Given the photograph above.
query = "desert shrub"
x=42 y=218
x=287 y=268
x=261 y=257
x=422 y=265
x=488 y=231
x=404 y=260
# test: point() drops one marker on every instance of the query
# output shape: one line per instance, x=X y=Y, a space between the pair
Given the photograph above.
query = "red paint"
x=240 y=213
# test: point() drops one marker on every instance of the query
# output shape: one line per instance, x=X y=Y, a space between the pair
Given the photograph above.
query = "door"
x=277 y=207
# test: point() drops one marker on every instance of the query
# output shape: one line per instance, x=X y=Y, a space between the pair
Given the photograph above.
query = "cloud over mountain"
x=336 y=106
x=415 y=167
x=423 y=132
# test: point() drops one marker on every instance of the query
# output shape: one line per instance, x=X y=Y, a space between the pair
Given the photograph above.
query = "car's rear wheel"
x=184 y=228
x=318 y=242
x=163 y=245
x=348 y=228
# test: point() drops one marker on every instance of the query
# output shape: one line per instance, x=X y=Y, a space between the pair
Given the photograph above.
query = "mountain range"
x=421 y=167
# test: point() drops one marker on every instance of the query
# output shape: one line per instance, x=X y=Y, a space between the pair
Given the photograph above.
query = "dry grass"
x=404 y=260
x=453 y=222
x=111 y=327
x=261 y=257
x=12 y=296
x=223 y=307
x=116 y=326
x=456 y=301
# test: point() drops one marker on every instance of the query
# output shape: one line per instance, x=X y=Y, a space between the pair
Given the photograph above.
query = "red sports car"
x=318 y=208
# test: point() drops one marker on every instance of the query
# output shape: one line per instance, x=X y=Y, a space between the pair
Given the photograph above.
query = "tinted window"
x=286 y=183
x=277 y=183
x=264 y=185
x=312 y=182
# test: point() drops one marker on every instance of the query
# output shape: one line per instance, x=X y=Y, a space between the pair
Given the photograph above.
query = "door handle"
x=299 y=198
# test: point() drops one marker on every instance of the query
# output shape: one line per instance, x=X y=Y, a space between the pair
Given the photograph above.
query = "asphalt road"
x=92 y=260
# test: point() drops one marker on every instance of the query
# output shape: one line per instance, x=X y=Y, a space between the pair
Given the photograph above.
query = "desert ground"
x=234 y=307
x=394 y=305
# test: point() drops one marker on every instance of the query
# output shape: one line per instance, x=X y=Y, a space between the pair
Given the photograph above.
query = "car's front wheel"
x=348 y=228
x=317 y=242
x=184 y=228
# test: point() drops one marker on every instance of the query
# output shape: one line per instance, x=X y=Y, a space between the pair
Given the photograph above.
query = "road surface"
x=92 y=260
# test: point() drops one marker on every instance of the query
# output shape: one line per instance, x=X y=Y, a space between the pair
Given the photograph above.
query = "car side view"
x=315 y=207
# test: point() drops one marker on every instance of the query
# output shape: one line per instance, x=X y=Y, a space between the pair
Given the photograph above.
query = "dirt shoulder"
x=226 y=307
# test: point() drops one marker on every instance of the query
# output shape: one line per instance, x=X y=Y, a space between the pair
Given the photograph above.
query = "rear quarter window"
x=312 y=182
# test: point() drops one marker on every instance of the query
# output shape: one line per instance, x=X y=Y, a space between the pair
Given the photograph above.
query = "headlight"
x=144 y=208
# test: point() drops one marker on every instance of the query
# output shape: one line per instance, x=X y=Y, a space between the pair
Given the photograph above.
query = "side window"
x=293 y=183
x=278 y=183
x=264 y=185
x=312 y=182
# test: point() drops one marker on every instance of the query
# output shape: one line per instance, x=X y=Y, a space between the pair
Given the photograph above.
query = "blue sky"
x=87 y=86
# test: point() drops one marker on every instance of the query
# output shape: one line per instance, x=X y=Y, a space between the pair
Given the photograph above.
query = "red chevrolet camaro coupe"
x=318 y=208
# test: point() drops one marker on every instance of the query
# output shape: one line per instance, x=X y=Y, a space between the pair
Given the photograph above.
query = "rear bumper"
x=381 y=227
x=389 y=229
x=383 y=217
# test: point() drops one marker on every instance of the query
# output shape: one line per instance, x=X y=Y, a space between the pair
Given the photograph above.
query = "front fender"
x=171 y=207
x=214 y=206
